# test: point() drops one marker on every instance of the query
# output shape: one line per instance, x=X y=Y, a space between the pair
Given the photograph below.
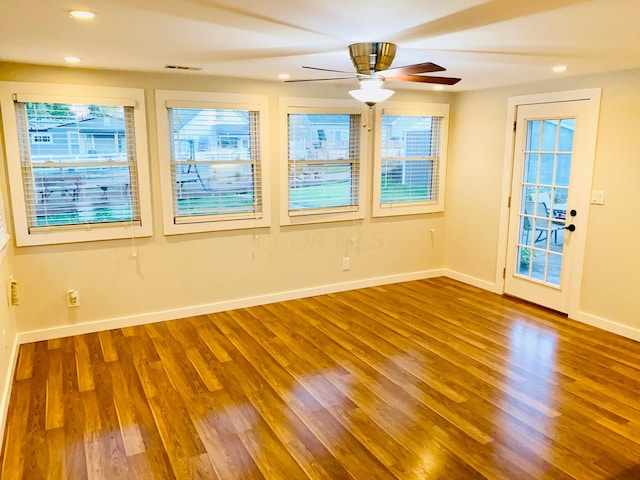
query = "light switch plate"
x=597 y=197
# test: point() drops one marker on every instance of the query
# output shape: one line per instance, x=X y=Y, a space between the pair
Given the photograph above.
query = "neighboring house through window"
x=324 y=166
x=77 y=162
x=410 y=160
x=211 y=161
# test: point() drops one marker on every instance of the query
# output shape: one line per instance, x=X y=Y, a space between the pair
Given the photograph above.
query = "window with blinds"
x=409 y=162
x=323 y=163
x=215 y=164
x=211 y=149
x=78 y=164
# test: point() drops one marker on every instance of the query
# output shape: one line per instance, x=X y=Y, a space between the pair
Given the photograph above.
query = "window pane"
x=320 y=136
x=80 y=195
x=546 y=168
x=533 y=135
x=321 y=186
x=214 y=189
x=78 y=163
x=563 y=170
x=215 y=156
x=410 y=149
x=406 y=181
x=549 y=135
x=531 y=168
x=324 y=160
x=567 y=127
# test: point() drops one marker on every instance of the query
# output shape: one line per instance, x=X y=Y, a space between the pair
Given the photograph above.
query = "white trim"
x=607 y=325
x=7 y=388
x=410 y=109
x=473 y=281
x=98 y=95
x=298 y=105
x=160 y=316
x=592 y=95
x=207 y=100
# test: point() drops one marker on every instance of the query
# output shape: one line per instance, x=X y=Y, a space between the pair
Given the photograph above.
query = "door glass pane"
x=567 y=126
x=545 y=181
x=538 y=265
x=546 y=168
x=531 y=168
x=526 y=237
x=524 y=261
x=563 y=167
x=549 y=135
x=533 y=135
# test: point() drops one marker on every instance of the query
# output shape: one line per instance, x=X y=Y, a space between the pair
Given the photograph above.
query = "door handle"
x=571 y=227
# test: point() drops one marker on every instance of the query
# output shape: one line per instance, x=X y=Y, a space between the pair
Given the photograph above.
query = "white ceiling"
x=487 y=43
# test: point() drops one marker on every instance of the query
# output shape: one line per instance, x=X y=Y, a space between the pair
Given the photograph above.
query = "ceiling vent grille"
x=181 y=67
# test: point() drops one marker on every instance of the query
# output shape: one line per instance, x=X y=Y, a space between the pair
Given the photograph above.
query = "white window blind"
x=323 y=162
x=410 y=159
x=78 y=164
x=215 y=164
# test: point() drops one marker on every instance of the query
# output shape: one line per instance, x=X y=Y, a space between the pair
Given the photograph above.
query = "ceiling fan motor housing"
x=372 y=57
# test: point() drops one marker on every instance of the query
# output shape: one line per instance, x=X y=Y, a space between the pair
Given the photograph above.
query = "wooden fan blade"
x=329 y=70
x=426 y=79
x=427 y=67
x=319 y=79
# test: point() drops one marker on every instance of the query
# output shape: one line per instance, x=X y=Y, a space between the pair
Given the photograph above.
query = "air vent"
x=181 y=67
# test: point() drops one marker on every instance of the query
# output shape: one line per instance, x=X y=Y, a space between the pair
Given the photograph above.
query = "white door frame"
x=581 y=198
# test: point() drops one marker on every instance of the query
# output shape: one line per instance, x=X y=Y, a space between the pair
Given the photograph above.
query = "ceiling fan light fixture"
x=371 y=91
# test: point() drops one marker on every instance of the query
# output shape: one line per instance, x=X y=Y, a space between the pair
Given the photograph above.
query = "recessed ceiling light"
x=72 y=59
x=82 y=14
x=559 y=68
x=438 y=87
x=284 y=76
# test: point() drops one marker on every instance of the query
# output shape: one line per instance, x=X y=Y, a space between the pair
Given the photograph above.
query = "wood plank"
x=106 y=343
x=55 y=406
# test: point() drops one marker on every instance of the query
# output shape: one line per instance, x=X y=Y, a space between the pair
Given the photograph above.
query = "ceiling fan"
x=372 y=62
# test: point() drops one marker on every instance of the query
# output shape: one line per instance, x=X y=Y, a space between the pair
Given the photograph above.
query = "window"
x=410 y=160
x=77 y=162
x=211 y=159
x=324 y=167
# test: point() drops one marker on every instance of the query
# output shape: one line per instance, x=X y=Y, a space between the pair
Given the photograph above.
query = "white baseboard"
x=469 y=280
x=159 y=316
x=589 y=319
x=608 y=325
x=8 y=386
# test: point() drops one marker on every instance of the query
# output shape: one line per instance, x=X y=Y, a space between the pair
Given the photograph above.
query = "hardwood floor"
x=430 y=379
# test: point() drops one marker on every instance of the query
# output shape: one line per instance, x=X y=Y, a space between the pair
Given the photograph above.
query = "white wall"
x=173 y=276
x=8 y=336
x=181 y=274
x=609 y=287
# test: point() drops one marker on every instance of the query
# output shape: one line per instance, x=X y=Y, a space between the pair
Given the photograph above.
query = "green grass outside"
x=399 y=193
x=307 y=197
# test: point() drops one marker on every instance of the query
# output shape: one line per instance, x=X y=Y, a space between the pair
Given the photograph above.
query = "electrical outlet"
x=346 y=263
x=14 y=299
x=73 y=298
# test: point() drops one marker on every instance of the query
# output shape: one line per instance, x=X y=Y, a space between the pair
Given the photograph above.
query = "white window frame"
x=79 y=94
x=223 y=101
x=413 y=208
x=322 y=106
